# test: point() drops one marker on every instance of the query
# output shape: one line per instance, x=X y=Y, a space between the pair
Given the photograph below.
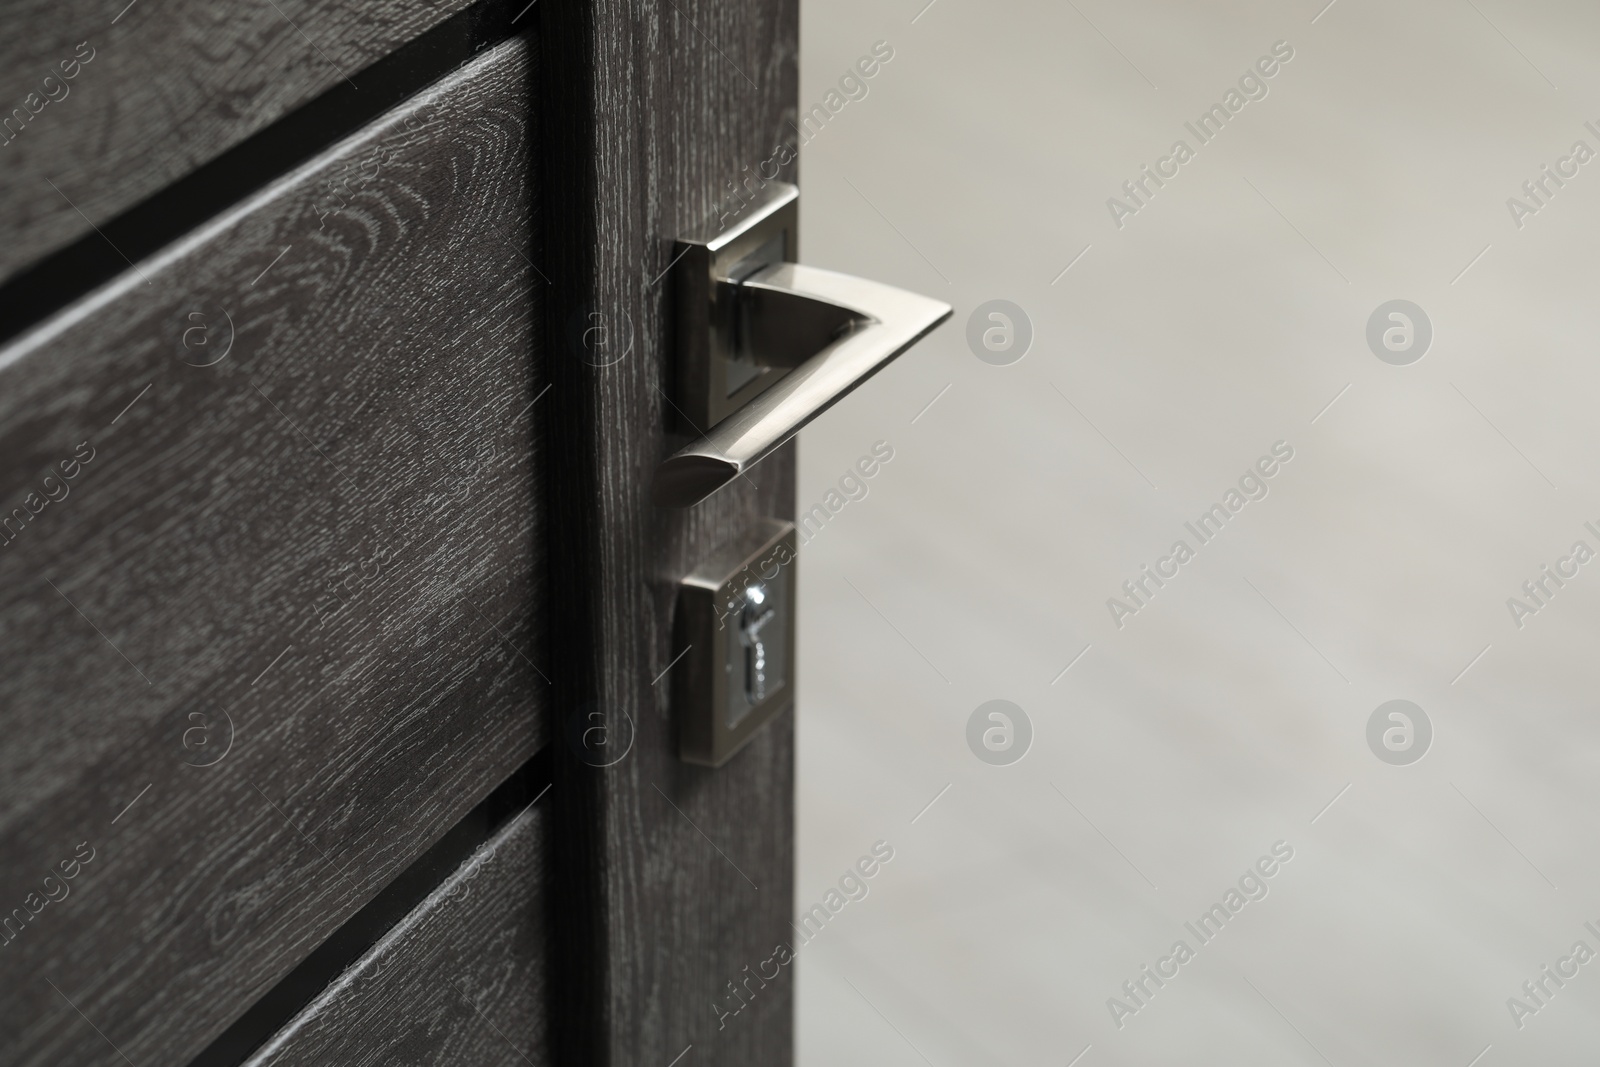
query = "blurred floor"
x=1223 y=316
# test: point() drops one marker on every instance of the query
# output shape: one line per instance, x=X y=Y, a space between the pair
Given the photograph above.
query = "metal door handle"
x=766 y=345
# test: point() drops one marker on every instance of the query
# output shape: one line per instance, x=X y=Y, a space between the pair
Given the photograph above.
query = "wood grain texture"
x=166 y=87
x=671 y=879
x=462 y=980
x=328 y=538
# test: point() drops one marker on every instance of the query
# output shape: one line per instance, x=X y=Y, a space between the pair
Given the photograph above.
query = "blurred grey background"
x=1168 y=755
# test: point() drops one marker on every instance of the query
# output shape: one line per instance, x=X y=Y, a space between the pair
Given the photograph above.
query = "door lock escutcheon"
x=765 y=345
x=736 y=614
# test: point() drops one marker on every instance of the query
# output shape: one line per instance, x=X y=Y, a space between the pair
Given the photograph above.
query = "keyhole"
x=756 y=615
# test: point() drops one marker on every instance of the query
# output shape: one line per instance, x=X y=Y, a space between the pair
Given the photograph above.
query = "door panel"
x=271 y=580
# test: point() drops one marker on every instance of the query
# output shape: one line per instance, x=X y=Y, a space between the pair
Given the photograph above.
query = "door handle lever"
x=765 y=344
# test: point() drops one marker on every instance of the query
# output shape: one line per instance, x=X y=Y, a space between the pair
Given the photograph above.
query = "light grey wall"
x=1232 y=710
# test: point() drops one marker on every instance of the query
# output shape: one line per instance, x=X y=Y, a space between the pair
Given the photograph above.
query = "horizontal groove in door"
x=271 y=584
x=130 y=211
x=460 y=982
x=362 y=932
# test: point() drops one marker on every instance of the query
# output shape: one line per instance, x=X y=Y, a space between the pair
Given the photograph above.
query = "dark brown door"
x=333 y=342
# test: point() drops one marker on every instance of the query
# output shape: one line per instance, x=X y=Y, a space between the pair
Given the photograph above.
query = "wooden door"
x=673 y=882
x=332 y=348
